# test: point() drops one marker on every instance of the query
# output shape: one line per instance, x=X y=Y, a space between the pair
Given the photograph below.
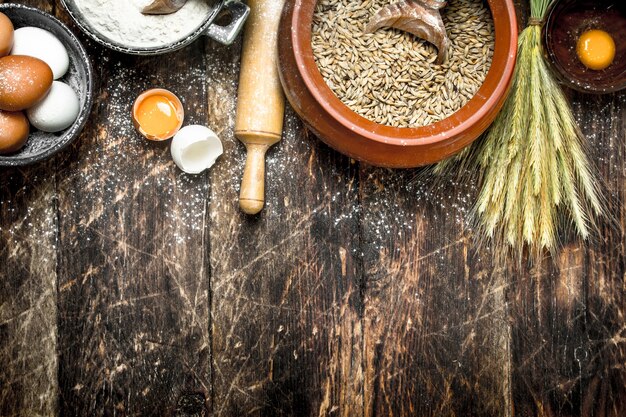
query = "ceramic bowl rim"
x=75 y=130
x=430 y=134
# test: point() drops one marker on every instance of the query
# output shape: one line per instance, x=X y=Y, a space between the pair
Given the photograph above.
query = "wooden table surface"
x=129 y=288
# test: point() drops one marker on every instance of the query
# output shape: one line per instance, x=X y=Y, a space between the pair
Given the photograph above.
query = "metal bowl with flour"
x=106 y=24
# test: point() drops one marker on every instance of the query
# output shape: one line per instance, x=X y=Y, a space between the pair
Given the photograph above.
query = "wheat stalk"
x=534 y=174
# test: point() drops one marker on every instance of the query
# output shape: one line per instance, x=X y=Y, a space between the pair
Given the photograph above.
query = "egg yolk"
x=157 y=116
x=596 y=49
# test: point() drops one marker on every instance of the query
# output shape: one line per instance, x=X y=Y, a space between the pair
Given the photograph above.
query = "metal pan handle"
x=227 y=34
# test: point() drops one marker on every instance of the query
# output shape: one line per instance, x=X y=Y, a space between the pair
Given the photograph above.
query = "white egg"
x=57 y=110
x=195 y=148
x=40 y=43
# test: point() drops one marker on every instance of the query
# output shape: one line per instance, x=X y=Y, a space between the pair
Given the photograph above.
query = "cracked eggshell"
x=57 y=111
x=40 y=43
x=195 y=148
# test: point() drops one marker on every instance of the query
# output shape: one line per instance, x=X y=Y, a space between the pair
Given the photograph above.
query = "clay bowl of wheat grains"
x=381 y=97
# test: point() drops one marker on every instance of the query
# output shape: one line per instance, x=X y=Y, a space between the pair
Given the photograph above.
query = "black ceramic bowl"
x=41 y=145
x=567 y=20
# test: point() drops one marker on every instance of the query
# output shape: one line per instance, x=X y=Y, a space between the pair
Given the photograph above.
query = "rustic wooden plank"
x=285 y=291
x=568 y=315
x=435 y=323
x=134 y=284
x=603 y=360
x=28 y=281
x=547 y=316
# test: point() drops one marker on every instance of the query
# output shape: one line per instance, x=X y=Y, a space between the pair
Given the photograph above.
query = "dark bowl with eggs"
x=42 y=145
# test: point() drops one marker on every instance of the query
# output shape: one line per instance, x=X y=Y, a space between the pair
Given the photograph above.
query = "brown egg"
x=6 y=35
x=24 y=81
x=13 y=131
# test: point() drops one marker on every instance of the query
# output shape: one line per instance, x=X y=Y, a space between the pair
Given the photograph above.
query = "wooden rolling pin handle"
x=252 y=194
x=260 y=102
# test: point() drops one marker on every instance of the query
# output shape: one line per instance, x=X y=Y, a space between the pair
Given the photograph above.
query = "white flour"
x=122 y=21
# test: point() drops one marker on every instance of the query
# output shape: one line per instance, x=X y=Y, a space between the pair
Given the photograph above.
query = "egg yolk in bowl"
x=595 y=49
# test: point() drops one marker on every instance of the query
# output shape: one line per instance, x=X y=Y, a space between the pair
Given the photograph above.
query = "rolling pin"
x=260 y=102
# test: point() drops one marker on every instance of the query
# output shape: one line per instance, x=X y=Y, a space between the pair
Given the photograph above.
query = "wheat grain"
x=392 y=71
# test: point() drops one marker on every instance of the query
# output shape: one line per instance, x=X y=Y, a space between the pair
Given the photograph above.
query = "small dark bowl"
x=567 y=20
x=42 y=145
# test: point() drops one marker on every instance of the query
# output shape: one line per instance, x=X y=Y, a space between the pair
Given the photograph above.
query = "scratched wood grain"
x=285 y=290
x=435 y=325
x=134 y=285
x=28 y=281
x=128 y=288
x=603 y=354
x=568 y=335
